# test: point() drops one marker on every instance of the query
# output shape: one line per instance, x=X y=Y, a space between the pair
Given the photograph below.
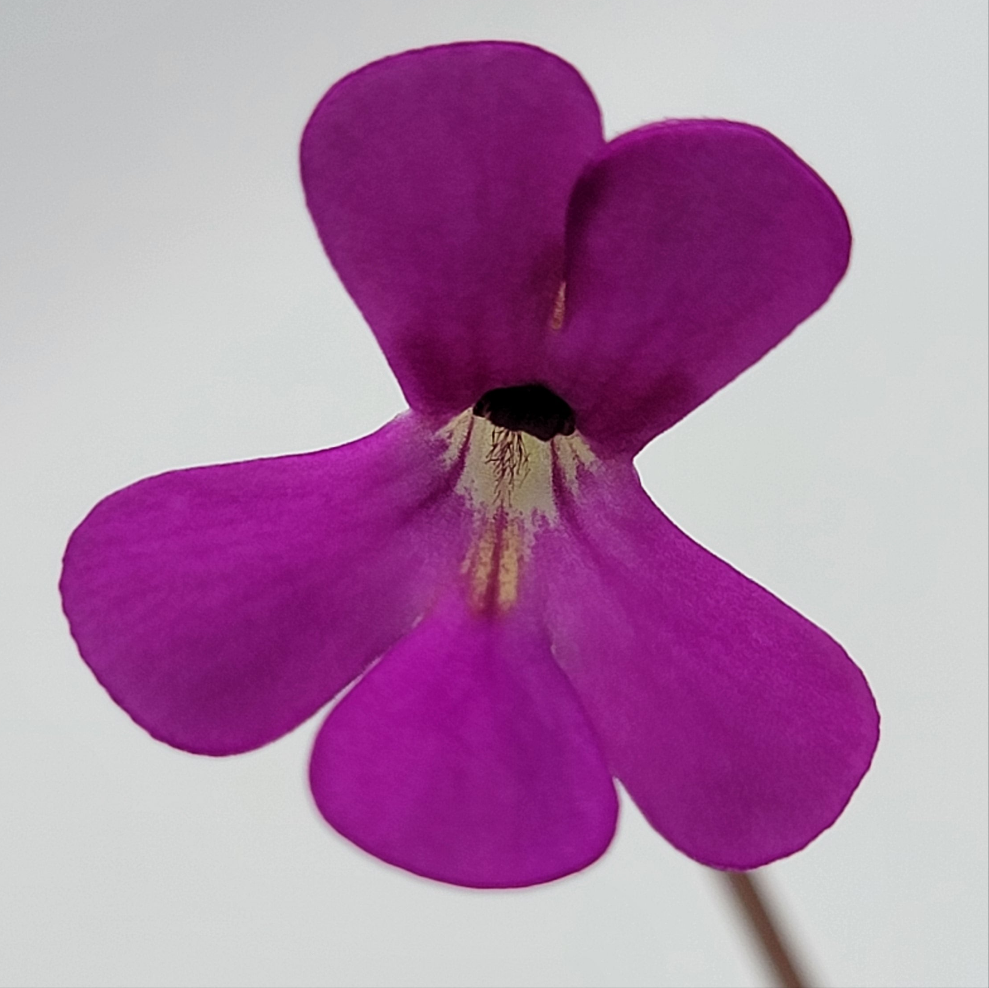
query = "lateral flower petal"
x=438 y=181
x=739 y=728
x=222 y=606
x=465 y=756
x=693 y=248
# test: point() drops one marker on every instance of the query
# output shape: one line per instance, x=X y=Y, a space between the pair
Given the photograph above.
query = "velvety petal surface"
x=693 y=248
x=438 y=181
x=465 y=756
x=221 y=606
x=738 y=727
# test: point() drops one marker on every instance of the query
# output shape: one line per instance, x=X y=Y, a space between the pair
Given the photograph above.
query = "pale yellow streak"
x=509 y=565
x=559 y=307
x=493 y=566
x=479 y=566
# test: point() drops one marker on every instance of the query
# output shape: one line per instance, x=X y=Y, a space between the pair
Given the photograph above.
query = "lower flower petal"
x=465 y=756
x=222 y=606
x=739 y=728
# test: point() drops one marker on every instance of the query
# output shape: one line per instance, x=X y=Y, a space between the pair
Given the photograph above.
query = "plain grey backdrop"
x=165 y=302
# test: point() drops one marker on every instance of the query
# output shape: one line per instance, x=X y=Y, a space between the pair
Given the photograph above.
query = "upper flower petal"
x=693 y=248
x=738 y=727
x=221 y=606
x=438 y=181
x=465 y=756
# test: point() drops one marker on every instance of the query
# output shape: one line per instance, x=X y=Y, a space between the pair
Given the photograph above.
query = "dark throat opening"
x=529 y=408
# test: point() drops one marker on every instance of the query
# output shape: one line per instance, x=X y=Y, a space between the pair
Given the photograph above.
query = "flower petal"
x=438 y=181
x=694 y=247
x=464 y=756
x=222 y=606
x=738 y=727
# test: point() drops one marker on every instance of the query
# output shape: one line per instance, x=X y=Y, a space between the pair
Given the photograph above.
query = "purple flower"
x=524 y=623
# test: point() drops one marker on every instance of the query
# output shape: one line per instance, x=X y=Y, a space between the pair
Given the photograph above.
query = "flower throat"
x=518 y=454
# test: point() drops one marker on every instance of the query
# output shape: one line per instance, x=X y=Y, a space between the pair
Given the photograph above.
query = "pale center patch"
x=513 y=483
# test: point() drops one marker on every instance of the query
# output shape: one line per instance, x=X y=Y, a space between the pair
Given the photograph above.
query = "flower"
x=523 y=622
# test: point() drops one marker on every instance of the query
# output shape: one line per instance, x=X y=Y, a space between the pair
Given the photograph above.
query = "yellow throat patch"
x=513 y=483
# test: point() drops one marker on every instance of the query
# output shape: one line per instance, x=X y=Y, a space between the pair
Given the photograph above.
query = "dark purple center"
x=527 y=408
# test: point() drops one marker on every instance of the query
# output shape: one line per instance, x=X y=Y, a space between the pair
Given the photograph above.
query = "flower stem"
x=751 y=900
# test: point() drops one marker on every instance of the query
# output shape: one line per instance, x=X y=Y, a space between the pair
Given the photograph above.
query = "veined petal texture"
x=465 y=756
x=693 y=248
x=739 y=728
x=222 y=606
x=438 y=181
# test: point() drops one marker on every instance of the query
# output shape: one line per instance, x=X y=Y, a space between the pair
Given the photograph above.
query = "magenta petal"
x=738 y=727
x=694 y=247
x=465 y=756
x=438 y=181
x=221 y=606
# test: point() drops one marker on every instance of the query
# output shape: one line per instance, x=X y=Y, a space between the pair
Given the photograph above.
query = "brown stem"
x=746 y=890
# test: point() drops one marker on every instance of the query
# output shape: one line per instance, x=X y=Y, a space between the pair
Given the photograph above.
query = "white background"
x=164 y=302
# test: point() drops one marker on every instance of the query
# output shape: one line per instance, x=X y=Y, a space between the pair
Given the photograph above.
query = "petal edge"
x=740 y=729
x=438 y=180
x=693 y=248
x=222 y=606
x=465 y=757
